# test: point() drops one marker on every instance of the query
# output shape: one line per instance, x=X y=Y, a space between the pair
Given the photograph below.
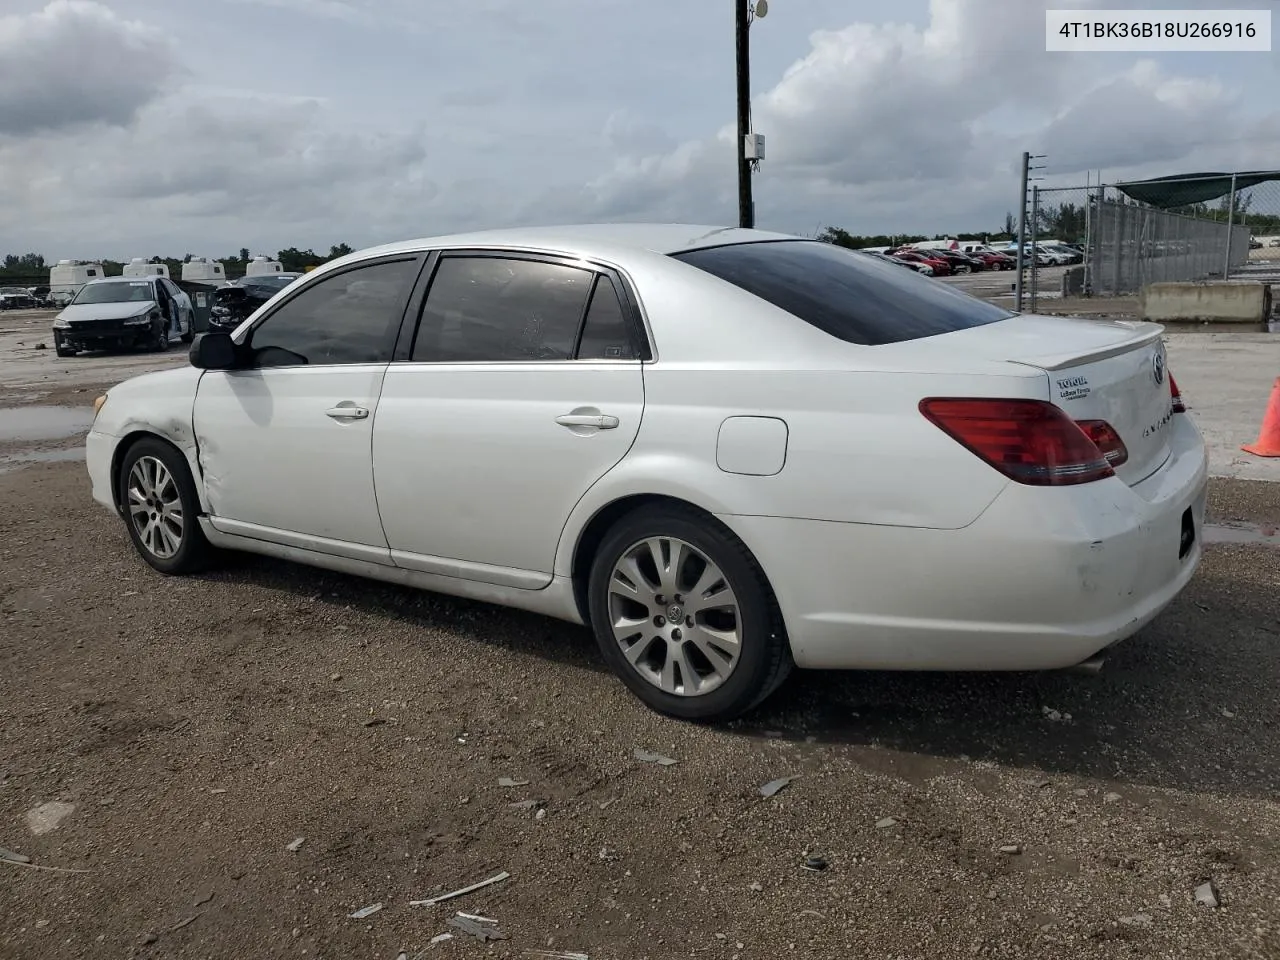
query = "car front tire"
x=160 y=508
x=159 y=337
x=685 y=616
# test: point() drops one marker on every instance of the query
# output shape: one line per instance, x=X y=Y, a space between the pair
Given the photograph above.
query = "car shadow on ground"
x=1160 y=714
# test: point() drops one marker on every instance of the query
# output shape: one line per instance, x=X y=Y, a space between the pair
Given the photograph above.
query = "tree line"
x=31 y=269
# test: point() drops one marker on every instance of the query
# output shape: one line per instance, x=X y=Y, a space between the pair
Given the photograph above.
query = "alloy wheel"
x=155 y=507
x=675 y=616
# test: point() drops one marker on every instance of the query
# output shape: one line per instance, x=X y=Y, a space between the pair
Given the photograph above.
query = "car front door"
x=184 y=312
x=284 y=440
x=521 y=388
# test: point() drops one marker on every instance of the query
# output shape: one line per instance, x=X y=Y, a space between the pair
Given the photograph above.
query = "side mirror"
x=213 y=351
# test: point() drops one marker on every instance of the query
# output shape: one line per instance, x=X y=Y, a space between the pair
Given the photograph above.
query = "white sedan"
x=729 y=452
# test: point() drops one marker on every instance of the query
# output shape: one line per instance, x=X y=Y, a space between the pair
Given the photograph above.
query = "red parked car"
x=994 y=261
x=941 y=266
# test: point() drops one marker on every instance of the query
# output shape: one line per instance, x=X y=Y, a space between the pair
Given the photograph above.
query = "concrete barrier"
x=1214 y=302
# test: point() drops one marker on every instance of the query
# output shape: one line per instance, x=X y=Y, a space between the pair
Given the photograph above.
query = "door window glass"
x=606 y=334
x=495 y=310
x=349 y=317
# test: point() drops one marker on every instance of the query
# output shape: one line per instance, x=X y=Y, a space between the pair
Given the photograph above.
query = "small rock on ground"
x=47 y=816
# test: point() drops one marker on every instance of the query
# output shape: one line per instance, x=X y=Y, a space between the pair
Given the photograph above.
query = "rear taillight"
x=1106 y=439
x=1029 y=441
x=1178 y=405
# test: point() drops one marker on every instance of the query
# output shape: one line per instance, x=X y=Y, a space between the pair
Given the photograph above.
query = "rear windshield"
x=845 y=293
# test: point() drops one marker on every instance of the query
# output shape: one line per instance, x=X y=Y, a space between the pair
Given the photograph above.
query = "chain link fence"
x=1058 y=239
x=1097 y=241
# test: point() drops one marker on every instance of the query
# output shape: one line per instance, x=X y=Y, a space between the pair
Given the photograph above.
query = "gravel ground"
x=197 y=727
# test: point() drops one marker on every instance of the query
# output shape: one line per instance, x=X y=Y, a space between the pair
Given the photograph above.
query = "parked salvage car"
x=885 y=258
x=960 y=262
x=728 y=451
x=119 y=312
x=939 y=265
x=235 y=302
x=16 y=298
x=994 y=261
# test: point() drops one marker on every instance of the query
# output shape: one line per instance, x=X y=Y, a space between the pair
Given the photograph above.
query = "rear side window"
x=501 y=310
x=844 y=293
x=605 y=334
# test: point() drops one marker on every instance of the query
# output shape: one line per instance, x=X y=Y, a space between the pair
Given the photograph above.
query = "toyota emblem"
x=1157 y=368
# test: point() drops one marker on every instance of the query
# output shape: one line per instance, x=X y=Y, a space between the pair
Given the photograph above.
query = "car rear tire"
x=160 y=507
x=685 y=616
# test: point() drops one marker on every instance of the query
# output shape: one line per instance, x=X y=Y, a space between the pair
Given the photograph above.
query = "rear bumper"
x=1044 y=579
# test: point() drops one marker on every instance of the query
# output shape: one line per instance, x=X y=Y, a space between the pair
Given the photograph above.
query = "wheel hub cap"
x=155 y=507
x=674 y=616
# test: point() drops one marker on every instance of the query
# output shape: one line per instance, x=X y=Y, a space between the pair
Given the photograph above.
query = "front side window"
x=349 y=317
x=843 y=293
x=499 y=309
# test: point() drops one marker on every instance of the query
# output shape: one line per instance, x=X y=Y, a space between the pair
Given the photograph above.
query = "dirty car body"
x=727 y=451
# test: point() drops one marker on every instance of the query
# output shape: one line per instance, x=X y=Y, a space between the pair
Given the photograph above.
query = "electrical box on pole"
x=753 y=146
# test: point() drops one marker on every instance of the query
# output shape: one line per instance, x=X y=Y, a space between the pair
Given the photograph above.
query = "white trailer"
x=262 y=267
x=141 y=267
x=204 y=270
x=66 y=277
x=935 y=245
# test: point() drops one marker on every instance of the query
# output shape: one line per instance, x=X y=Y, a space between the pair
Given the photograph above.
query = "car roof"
x=591 y=238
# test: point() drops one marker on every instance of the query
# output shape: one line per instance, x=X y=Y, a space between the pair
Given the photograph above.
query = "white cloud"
x=75 y=62
x=410 y=123
x=883 y=127
x=272 y=173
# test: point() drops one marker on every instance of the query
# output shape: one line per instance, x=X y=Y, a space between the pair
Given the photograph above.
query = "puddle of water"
x=1240 y=533
x=12 y=461
x=43 y=423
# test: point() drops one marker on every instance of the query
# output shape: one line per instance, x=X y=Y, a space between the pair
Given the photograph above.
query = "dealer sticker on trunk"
x=1073 y=388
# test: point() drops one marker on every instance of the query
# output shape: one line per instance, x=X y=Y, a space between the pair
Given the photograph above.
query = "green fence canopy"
x=1185 y=189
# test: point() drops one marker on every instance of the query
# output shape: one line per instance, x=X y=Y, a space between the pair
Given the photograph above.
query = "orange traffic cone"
x=1268 y=442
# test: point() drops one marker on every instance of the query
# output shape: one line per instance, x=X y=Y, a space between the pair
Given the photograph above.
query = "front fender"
x=155 y=404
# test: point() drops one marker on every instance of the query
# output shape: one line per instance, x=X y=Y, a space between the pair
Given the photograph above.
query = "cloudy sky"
x=140 y=127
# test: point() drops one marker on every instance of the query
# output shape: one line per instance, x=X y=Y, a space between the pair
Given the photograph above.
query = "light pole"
x=744 y=12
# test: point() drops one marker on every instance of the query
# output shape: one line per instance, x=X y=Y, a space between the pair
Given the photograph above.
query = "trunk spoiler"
x=1143 y=335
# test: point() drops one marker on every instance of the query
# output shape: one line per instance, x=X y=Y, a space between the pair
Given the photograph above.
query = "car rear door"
x=285 y=441
x=521 y=387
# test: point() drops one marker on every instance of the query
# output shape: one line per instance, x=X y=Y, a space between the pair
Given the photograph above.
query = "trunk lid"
x=1111 y=370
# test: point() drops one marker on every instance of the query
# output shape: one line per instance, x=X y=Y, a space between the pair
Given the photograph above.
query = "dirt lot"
x=198 y=727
